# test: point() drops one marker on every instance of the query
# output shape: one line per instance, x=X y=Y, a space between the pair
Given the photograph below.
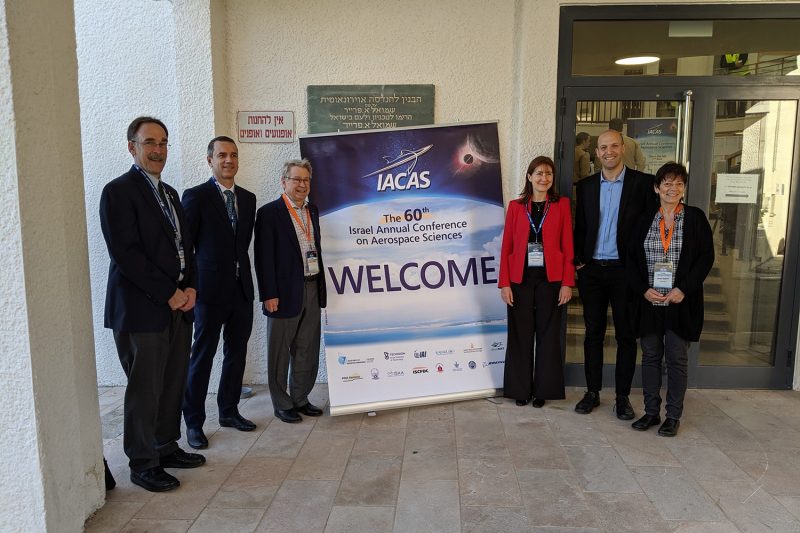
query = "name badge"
x=663 y=275
x=535 y=254
x=181 y=256
x=312 y=262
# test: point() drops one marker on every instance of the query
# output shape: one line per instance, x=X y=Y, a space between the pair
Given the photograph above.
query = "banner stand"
x=413 y=402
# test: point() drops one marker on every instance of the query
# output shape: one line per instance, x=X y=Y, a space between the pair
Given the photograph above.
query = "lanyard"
x=165 y=209
x=306 y=225
x=530 y=219
x=666 y=236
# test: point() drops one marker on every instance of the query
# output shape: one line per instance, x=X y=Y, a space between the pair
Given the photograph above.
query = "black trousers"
x=235 y=322
x=155 y=364
x=599 y=286
x=534 y=319
x=670 y=346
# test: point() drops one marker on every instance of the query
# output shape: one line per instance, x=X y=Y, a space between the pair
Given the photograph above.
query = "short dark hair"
x=615 y=124
x=670 y=169
x=527 y=191
x=581 y=137
x=220 y=138
x=133 y=127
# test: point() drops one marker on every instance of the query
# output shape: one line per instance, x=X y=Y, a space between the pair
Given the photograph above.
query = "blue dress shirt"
x=610 y=194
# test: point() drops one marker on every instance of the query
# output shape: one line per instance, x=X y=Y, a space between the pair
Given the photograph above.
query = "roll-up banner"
x=411 y=222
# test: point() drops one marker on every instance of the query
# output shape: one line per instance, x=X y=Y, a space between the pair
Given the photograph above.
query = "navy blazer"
x=216 y=247
x=637 y=197
x=145 y=266
x=279 y=259
x=694 y=265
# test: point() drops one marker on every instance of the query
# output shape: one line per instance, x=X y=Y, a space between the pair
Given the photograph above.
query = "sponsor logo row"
x=439 y=368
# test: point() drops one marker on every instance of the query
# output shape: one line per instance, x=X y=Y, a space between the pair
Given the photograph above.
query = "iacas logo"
x=401 y=181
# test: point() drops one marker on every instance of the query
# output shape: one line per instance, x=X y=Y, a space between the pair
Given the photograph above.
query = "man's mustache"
x=156 y=157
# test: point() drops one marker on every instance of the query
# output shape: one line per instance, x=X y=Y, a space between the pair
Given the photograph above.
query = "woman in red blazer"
x=536 y=278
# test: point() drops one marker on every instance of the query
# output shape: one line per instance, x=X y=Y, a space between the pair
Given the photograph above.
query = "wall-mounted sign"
x=266 y=126
x=333 y=108
x=737 y=189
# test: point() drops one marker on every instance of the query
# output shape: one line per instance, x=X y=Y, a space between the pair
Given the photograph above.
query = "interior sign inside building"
x=335 y=108
x=266 y=126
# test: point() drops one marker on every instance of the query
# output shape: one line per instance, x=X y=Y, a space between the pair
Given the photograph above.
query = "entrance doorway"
x=741 y=148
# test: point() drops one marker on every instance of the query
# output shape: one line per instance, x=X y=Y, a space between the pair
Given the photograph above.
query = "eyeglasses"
x=152 y=145
x=673 y=184
x=304 y=181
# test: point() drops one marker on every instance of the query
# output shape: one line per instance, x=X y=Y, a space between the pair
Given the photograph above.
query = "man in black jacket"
x=607 y=206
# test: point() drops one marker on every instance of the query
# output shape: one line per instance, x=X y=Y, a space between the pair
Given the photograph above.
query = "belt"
x=607 y=262
x=312 y=278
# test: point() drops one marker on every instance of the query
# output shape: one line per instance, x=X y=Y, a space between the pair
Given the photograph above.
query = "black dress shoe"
x=646 y=422
x=537 y=402
x=155 y=480
x=309 y=409
x=182 y=459
x=520 y=403
x=289 y=416
x=590 y=401
x=669 y=428
x=236 y=421
x=196 y=438
x=623 y=408
x=110 y=481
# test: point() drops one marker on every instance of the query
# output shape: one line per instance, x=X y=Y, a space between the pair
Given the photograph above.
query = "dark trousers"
x=155 y=364
x=675 y=351
x=534 y=319
x=235 y=322
x=294 y=352
x=599 y=286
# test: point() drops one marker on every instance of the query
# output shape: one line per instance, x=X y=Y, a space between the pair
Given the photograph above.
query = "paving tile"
x=554 y=498
x=572 y=429
x=343 y=425
x=392 y=418
x=488 y=481
x=676 y=495
x=531 y=442
x=299 y=506
x=547 y=529
x=600 y=469
x=751 y=508
x=162 y=526
x=494 y=519
x=370 y=480
x=112 y=516
x=386 y=441
x=640 y=448
x=198 y=486
x=725 y=432
x=704 y=527
x=280 y=440
x=428 y=458
x=431 y=413
x=427 y=506
x=356 y=519
x=791 y=503
x=322 y=457
x=227 y=520
x=252 y=484
x=227 y=446
x=778 y=472
x=626 y=513
x=431 y=428
x=708 y=463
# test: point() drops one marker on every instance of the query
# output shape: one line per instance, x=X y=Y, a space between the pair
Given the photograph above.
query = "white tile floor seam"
x=478 y=466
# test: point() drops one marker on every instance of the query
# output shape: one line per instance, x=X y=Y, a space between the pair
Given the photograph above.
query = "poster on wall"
x=411 y=223
x=658 y=138
x=736 y=189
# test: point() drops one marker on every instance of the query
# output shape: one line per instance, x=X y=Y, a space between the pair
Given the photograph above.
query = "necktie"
x=231 y=208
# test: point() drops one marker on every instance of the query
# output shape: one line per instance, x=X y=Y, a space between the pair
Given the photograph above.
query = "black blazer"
x=216 y=247
x=145 y=266
x=637 y=197
x=694 y=264
x=279 y=259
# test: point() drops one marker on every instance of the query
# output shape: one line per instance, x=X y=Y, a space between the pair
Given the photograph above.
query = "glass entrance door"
x=743 y=163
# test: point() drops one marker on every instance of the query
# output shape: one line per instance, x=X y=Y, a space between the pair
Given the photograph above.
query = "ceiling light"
x=636 y=60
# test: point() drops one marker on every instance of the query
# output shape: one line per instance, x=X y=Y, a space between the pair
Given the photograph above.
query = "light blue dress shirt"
x=610 y=194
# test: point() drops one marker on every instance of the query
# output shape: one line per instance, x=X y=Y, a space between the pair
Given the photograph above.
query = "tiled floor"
x=483 y=465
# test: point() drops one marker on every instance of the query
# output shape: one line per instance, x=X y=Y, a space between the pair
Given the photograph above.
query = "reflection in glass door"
x=751 y=179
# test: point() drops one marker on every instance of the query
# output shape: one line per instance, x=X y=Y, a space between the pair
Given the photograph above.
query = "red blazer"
x=556 y=238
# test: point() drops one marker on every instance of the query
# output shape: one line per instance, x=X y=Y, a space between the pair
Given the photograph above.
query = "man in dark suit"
x=292 y=289
x=607 y=206
x=220 y=216
x=149 y=302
